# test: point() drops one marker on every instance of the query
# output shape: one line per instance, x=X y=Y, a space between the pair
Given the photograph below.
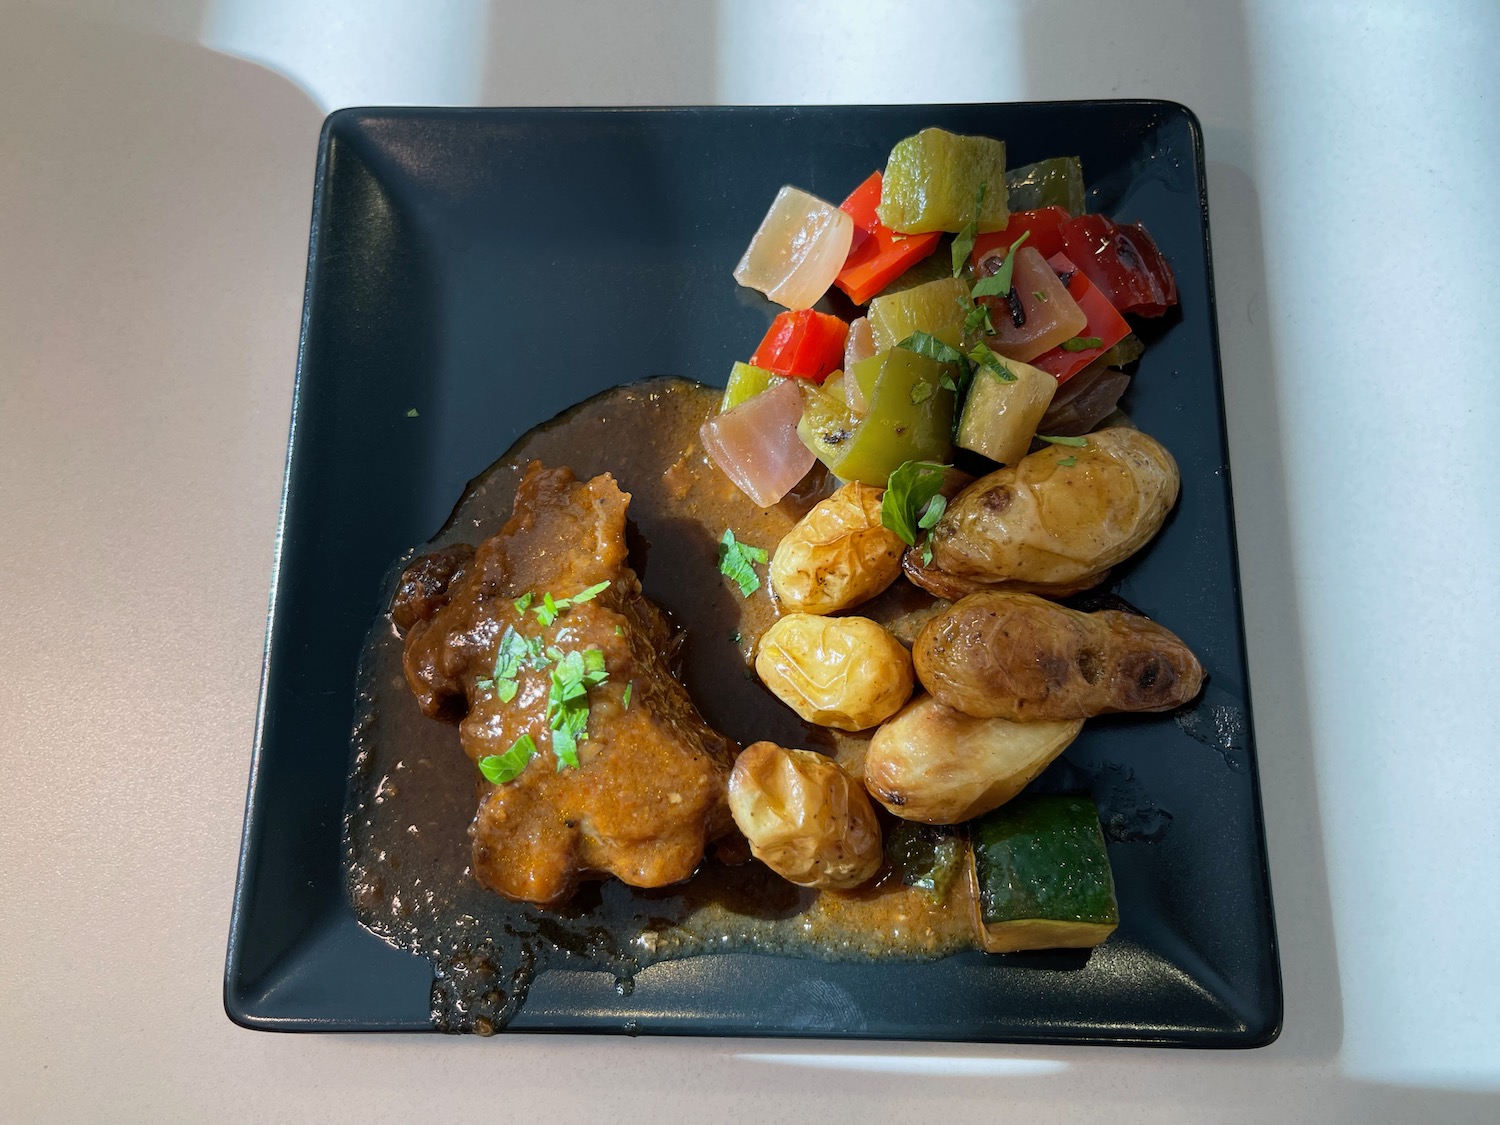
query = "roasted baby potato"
x=838 y=555
x=1013 y=656
x=1055 y=522
x=805 y=818
x=844 y=672
x=940 y=766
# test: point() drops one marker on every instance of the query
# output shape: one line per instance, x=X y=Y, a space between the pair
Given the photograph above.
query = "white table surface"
x=156 y=168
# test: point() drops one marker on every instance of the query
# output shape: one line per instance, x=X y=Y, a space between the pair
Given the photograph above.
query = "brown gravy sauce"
x=412 y=788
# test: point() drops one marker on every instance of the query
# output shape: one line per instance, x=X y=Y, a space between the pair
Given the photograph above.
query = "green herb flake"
x=484 y=685
x=979 y=319
x=963 y=245
x=619 y=631
x=500 y=768
x=909 y=494
x=523 y=602
x=737 y=562
x=512 y=650
x=1082 y=343
x=1039 y=295
x=999 y=283
x=926 y=344
x=992 y=363
x=547 y=612
x=1075 y=442
x=506 y=690
x=927 y=551
x=625 y=699
x=568 y=704
x=947 y=383
x=734 y=637
x=933 y=512
x=921 y=391
x=1067 y=462
x=589 y=594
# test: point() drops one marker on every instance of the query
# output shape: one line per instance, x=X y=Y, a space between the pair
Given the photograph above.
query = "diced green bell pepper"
x=745 y=382
x=908 y=417
x=937 y=308
x=1057 y=182
x=932 y=181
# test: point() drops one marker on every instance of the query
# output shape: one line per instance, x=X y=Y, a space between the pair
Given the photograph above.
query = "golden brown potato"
x=805 y=818
x=844 y=672
x=838 y=555
x=1054 y=523
x=940 y=766
x=1013 y=656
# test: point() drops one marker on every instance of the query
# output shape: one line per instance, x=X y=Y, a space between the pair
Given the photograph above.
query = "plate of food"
x=759 y=571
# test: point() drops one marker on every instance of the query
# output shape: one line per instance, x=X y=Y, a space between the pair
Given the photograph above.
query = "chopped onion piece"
x=798 y=251
x=858 y=345
x=1083 y=402
x=1047 y=313
x=757 y=446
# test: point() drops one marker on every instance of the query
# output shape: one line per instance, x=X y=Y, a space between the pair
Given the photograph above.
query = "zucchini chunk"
x=1042 y=877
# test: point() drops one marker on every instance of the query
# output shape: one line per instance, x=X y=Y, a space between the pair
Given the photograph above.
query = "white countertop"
x=155 y=184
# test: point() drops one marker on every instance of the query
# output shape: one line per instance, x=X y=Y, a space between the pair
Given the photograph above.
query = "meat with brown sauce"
x=649 y=792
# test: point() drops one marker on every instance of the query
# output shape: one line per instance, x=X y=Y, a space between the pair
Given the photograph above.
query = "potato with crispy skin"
x=838 y=555
x=939 y=766
x=1055 y=522
x=998 y=654
x=842 y=672
x=805 y=818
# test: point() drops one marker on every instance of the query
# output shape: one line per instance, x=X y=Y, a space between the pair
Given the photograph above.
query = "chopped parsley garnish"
x=998 y=284
x=1082 y=343
x=1075 y=442
x=992 y=363
x=547 y=612
x=913 y=502
x=920 y=392
x=500 y=768
x=979 y=318
x=1067 y=462
x=625 y=699
x=412 y=413
x=963 y=245
x=1039 y=295
x=924 y=343
x=737 y=562
x=568 y=701
x=946 y=382
x=522 y=602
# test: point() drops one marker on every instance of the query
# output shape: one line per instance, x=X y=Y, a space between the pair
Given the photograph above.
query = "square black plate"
x=487 y=269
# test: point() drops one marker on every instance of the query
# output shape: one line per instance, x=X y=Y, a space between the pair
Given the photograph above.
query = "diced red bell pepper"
x=878 y=255
x=1104 y=322
x=1124 y=262
x=804 y=344
x=1045 y=225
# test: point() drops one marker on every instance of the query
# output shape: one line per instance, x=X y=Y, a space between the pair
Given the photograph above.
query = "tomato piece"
x=805 y=344
x=878 y=255
x=1123 y=261
x=1104 y=321
x=1045 y=225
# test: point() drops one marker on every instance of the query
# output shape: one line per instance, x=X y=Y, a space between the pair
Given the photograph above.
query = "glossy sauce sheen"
x=412 y=793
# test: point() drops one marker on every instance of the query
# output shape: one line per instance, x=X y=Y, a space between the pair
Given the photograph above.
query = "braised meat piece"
x=648 y=792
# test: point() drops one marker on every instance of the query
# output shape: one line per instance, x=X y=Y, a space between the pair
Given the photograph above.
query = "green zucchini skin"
x=1042 y=875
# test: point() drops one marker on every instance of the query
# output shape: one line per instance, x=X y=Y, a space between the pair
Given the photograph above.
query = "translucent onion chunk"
x=756 y=443
x=858 y=345
x=1048 y=315
x=798 y=251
